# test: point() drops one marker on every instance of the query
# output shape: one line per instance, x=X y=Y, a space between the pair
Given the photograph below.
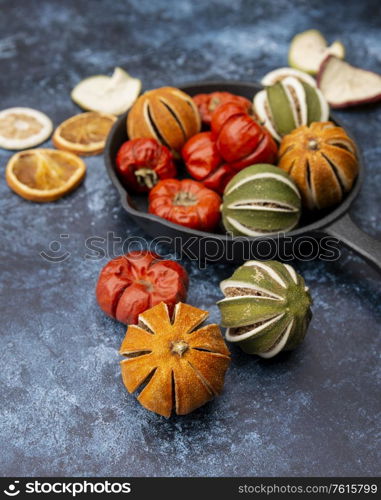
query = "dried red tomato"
x=208 y=103
x=236 y=141
x=240 y=140
x=204 y=162
x=222 y=115
x=185 y=202
x=132 y=283
x=141 y=163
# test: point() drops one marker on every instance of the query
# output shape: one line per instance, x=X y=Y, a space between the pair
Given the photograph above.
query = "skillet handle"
x=353 y=237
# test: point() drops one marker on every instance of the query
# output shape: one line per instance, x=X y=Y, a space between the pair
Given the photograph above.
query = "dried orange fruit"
x=44 y=174
x=322 y=160
x=22 y=128
x=183 y=367
x=166 y=114
x=84 y=134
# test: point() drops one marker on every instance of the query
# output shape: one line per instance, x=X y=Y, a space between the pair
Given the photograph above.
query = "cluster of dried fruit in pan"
x=316 y=165
x=163 y=124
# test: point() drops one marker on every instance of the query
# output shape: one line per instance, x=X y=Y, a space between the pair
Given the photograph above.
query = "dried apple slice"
x=309 y=49
x=113 y=95
x=345 y=85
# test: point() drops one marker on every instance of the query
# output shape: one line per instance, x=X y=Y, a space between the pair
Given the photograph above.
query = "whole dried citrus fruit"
x=180 y=364
x=44 y=174
x=84 y=134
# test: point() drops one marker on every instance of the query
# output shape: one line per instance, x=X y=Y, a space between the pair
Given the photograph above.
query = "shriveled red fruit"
x=235 y=142
x=141 y=163
x=186 y=202
x=265 y=152
x=241 y=141
x=204 y=162
x=134 y=282
x=201 y=155
x=222 y=115
x=208 y=103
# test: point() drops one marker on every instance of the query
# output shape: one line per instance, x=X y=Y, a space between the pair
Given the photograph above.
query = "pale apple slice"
x=309 y=49
x=107 y=94
x=344 y=85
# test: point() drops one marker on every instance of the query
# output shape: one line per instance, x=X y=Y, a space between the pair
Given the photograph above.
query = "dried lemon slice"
x=107 y=94
x=22 y=128
x=44 y=174
x=84 y=134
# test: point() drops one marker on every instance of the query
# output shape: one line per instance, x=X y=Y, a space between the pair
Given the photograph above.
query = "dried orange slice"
x=44 y=174
x=22 y=128
x=84 y=134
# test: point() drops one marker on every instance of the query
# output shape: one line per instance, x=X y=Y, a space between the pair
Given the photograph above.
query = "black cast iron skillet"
x=305 y=242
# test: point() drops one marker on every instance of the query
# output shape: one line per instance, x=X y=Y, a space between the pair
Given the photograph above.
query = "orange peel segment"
x=84 y=134
x=44 y=175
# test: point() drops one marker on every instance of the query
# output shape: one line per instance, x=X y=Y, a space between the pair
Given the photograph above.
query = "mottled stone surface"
x=63 y=408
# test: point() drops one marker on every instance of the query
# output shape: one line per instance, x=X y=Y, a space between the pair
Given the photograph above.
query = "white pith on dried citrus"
x=84 y=134
x=44 y=174
x=22 y=128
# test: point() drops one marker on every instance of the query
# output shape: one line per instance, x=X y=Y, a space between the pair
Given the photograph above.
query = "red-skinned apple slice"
x=344 y=85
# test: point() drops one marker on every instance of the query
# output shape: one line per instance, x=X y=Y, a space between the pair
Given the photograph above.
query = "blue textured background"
x=63 y=407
